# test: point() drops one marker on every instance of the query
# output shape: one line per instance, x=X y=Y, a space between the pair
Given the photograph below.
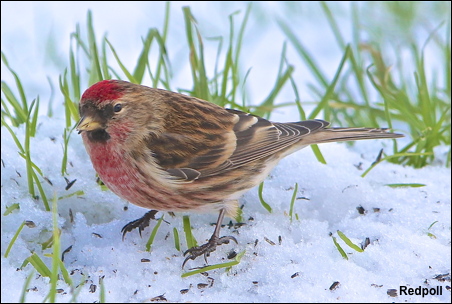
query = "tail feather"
x=348 y=134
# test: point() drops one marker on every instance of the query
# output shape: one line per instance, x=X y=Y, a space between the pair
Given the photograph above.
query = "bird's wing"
x=239 y=140
x=258 y=138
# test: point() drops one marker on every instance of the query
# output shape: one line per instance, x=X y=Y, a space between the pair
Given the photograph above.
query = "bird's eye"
x=117 y=108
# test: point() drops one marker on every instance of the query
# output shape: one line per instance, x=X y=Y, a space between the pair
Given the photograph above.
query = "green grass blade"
x=34 y=119
x=261 y=198
x=39 y=265
x=339 y=248
x=318 y=154
x=21 y=113
x=153 y=234
x=297 y=99
x=292 y=201
x=71 y=110
x=25 y=287
x=431 y=225
x=143 y=60
x=200 y=84
x=75 y=75
x=13 y=135
x=13 y=240
x=330 y=90
x=33 y=165
x=41 y=191
x=401 y=185
x=31 y=188
x=52 y=95
x=121 y=65
x=104 y=61
x=76 y=193
x=348 y=242
x=19 y=86
x=216 y=266
x=305 y=56
x=176 y=239
x=56 y=251
x=77 y=289
x=191 y=241
x=10 y=209
x=65 y=273
x=333 y=25
x=66 y=138
x=282 y=78
x=95 y=69
x=102 y=294
x=240 y=36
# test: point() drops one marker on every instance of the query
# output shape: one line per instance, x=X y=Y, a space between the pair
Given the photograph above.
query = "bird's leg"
x=140 y=223
x=211 y=245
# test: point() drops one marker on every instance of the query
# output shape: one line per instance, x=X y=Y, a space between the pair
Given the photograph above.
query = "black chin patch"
x=99 y=135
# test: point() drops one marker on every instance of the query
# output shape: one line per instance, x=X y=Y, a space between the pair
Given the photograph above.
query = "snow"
x=300 y=268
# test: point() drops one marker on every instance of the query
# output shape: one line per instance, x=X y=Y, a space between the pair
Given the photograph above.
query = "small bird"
x=167 y=151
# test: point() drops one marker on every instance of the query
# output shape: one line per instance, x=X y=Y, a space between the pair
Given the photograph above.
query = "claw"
x=226 y=240
x=185 y=261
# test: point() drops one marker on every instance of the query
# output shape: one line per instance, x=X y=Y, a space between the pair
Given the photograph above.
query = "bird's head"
x=117 y=109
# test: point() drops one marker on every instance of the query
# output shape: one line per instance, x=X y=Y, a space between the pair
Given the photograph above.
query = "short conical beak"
x=87 y=123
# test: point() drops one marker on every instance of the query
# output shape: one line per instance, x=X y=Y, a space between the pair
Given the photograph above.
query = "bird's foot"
x=140 y=223
x=207 y=248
